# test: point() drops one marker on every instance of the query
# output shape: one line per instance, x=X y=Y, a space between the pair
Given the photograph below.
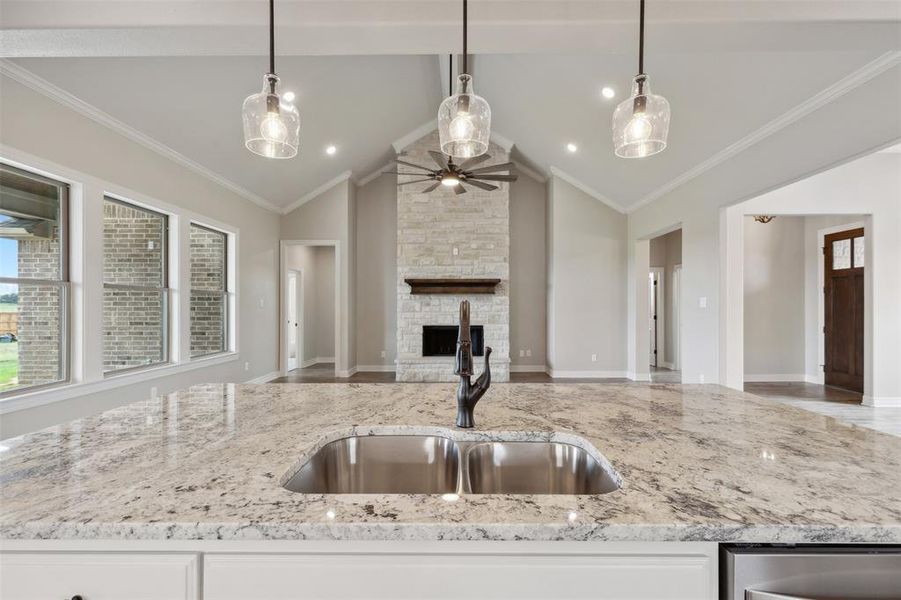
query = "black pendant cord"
x=272 y=44
x=641 y=48
x=465 y=49
x=450 y=74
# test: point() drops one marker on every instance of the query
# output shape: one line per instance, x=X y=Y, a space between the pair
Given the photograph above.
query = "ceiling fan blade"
x=479 y=184
x=438 y=158
x=493 y=177
x=409 y=164
x=471 y=162
x=399 y=173
x=431 y=188
x=459 y=189
x=501 y=167
x=415 y=181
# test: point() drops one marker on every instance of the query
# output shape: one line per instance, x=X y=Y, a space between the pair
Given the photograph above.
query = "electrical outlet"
x=153 y=393
x=702 y=302
x=262 y=302
x=528 y=352
x=456 y=251
x=383 y=354
x=247 y=366
x=594 y=358
x=701 y=378
x=522 y=353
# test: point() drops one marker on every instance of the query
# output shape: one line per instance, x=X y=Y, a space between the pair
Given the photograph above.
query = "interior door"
x=653 y=308
x=293 y=346
x=844 y=262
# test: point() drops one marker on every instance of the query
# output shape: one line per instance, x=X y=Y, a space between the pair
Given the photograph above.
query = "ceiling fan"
x=455 y=176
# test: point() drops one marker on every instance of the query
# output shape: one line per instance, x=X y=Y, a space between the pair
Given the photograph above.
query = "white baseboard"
x=637 y=376
x=776 y=377
x=376 y=368
x=817 y=379
x=585 y=374
x=882 y=401
x=264 y=378
x=528 y=369
x=348 y=373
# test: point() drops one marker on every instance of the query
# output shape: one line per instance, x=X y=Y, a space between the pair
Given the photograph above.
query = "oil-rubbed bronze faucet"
x=468 y=393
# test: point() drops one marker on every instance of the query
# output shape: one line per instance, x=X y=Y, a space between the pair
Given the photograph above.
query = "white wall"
x=36 y=129
x=774 y=292
x=376 y=273
x=528 y=272
x=329 y=217
x=586 y=284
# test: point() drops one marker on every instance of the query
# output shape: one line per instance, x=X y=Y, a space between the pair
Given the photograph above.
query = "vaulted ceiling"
x=732 y=71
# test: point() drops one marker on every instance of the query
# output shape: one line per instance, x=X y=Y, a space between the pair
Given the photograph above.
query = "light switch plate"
x=702 y=302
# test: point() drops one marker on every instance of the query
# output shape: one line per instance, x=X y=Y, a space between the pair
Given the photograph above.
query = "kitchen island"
x=199 y=473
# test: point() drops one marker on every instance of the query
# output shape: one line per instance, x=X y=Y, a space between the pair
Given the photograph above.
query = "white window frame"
x=229 y=291
x=165 y=289
x=62 y=283
x=86 y=376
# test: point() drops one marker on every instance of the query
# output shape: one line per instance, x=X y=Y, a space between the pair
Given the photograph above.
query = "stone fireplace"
x=442 y=235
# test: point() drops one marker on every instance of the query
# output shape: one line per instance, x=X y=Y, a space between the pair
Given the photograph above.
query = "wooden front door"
x=844 y=263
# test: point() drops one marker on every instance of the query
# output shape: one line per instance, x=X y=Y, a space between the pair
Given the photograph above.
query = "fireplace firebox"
x=441 y=340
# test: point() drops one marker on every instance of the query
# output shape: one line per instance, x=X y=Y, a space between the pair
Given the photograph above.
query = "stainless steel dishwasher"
x=810 y=572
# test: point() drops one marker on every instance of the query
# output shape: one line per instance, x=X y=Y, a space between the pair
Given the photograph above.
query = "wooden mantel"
x=452 y=286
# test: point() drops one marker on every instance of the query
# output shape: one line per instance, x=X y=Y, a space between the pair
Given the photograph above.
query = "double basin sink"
x=433 y=464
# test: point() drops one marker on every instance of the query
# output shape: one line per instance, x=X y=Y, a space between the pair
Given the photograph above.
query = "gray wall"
x=586 y=283
x=774 y=297
x=528 y=271
x=376 y=272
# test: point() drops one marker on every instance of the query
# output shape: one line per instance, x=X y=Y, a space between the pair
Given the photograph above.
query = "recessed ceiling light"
x=288 y=96
x=571 y=147
x=608 y=92
x=331 y=150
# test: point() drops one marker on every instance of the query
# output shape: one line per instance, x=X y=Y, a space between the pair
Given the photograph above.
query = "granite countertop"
x=699 y=463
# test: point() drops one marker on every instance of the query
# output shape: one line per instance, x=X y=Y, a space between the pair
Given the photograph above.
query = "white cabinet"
x=460 y=576
x=99 y=576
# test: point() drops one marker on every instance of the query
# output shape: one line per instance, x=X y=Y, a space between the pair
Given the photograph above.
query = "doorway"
x=656 y=316
x=294 y=323
x=664 y=307
x=843 y=275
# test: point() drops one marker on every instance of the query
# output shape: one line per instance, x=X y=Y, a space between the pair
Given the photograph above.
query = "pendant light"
x=271 y=126
x=464 y=119
x=641 y=123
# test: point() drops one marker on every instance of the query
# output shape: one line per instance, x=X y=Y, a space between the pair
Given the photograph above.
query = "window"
x=34 y=281
x=209 y=291
x=135 y=287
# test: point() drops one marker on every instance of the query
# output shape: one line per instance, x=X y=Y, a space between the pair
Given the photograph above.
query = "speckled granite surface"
x=698 y=463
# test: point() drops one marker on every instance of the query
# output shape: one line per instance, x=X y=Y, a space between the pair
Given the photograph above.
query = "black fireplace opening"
x=441 y=340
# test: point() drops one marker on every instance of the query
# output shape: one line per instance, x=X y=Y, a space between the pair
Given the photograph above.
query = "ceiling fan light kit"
x=271 y=125
x=464 y=118
x=641 y=123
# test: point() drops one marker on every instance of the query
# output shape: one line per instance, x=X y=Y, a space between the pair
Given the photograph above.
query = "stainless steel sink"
x=535 y=468
x=381 y=464
x=432 y=464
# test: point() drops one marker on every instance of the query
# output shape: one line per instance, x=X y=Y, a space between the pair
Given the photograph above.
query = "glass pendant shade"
x=641 y=123
x=271 y=126
x=464 y=122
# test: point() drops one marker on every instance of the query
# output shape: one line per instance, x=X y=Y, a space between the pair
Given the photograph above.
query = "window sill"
x=73 y=390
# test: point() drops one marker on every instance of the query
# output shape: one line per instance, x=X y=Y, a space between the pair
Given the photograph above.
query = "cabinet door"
x=98 y=576
x=458 y=577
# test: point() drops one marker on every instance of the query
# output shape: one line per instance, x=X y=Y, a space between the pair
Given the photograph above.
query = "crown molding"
x=586 y=189
x=375 y=174
x=44 y=87
x=822 y=98
x=526 y=170
x=405 y=140
x=322 y=188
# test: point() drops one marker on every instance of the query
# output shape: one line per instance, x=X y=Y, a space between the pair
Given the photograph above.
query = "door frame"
x=660 y=303
x=822 y=234
x=299 y=308
x=677 y=317
x=283 y=299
